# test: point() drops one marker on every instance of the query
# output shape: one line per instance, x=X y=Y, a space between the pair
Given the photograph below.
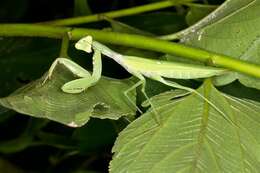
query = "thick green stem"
x=115 y=14
x=65 y=45
x=136 y=41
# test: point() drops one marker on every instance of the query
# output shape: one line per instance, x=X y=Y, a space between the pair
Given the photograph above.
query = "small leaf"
x=104 y=100
x=192 y=137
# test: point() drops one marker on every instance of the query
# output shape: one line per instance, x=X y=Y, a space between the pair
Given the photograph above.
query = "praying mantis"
x=139 y=67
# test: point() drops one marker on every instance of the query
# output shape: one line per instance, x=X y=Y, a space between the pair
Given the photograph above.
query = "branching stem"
x=137 y=41
x=117 y=13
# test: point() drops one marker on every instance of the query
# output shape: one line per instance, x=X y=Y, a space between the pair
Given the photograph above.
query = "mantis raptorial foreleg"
x=72 y=66
x=86 y=80
x=79 y=85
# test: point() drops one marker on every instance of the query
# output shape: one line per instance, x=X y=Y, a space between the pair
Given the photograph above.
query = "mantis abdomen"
x=167 y=69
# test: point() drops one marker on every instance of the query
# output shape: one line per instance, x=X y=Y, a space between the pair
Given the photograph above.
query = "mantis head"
x=85 y=44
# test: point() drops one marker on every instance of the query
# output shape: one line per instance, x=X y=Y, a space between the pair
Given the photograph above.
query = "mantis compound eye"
x=85 y=44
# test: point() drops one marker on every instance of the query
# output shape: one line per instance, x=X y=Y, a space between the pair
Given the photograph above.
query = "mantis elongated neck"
x=107 y=51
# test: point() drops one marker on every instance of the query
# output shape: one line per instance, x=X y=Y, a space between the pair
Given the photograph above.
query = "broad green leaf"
x=233 y=30
x=104 y=100
x=228 y=8
x=192 y=137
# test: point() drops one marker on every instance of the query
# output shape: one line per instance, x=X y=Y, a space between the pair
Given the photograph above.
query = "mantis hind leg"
x=128 y=98
x=156 y=115
x=176 y=85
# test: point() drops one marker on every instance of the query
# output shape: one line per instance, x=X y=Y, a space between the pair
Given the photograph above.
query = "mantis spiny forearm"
x=86 y=80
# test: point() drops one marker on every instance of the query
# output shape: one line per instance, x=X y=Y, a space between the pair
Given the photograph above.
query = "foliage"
x=99 y=130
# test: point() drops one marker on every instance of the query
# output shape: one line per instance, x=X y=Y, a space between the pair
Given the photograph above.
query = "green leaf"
x=192 y=137
x=104 y=100
x=232 y=29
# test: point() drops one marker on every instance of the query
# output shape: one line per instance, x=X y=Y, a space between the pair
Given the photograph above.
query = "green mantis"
x=85 y=80
x=138 y=67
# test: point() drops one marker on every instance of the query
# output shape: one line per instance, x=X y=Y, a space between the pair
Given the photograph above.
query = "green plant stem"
x=65 y=45
x=132 y=40
x=115 y=14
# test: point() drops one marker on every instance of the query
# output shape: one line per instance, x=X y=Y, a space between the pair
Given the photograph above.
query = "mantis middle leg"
x=143 y=83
